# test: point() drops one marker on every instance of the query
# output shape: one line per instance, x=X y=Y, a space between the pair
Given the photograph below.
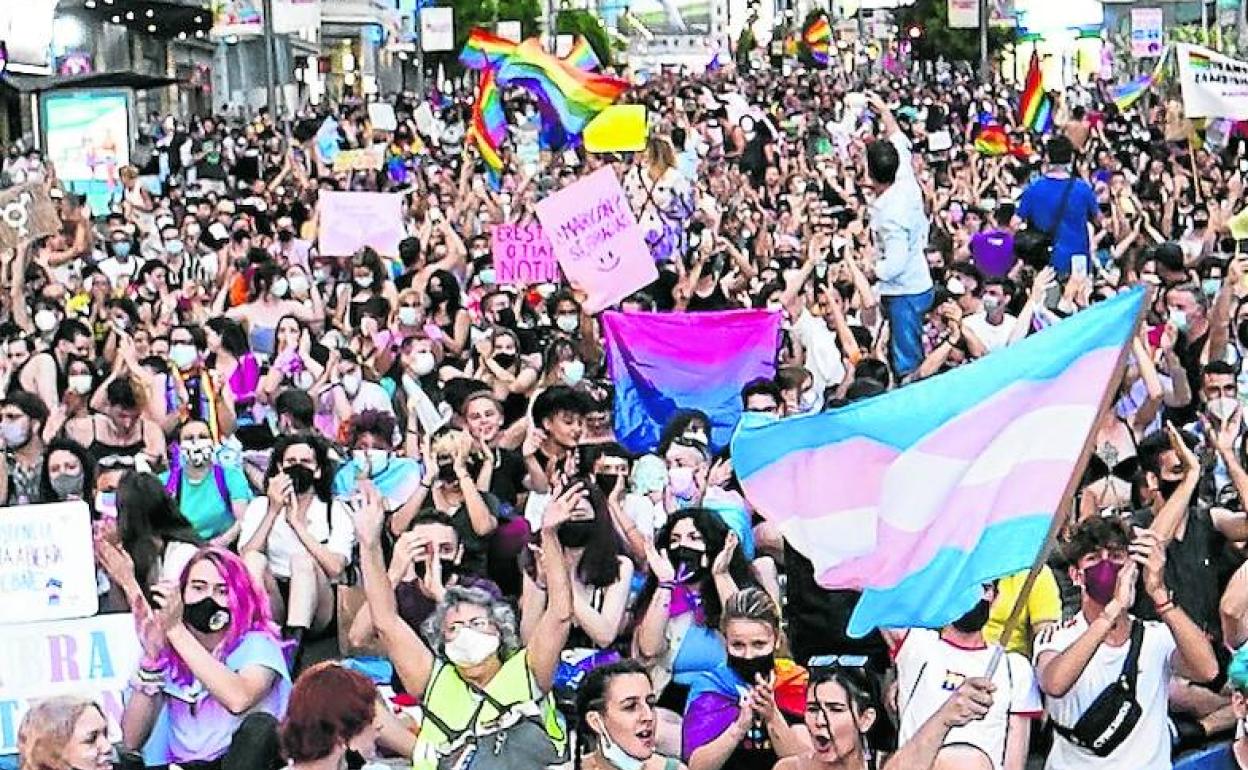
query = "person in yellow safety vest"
x=486 y=701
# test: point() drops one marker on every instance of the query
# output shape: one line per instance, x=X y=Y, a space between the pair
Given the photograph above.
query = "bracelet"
x=1165 y=606
x=668 y=584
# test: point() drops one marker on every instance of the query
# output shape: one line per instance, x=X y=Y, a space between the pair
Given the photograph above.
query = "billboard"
x=86 y=134
x=26 y=29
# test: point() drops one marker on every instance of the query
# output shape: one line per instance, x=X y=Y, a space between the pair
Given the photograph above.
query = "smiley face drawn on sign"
x=608 y=261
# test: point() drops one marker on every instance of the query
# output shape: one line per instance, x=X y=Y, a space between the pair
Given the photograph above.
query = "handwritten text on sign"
x=47 y=568
x=26 y=212
x=94 y=657
x=597 y=240
x=523 y=255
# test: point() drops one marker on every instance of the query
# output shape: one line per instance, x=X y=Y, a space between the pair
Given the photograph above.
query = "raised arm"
x=551 y=632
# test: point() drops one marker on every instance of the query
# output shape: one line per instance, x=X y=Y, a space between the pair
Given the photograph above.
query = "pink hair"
x=248 y=606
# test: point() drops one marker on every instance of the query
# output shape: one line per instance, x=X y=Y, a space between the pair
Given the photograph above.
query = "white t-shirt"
x=334 y=530
x=648 y=516
x=993 y=337
x=823 y=350
x=930 y=669
x=1148 y=745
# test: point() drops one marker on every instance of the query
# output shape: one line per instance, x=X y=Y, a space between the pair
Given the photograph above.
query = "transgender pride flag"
x=918 y=496
x=663 y=362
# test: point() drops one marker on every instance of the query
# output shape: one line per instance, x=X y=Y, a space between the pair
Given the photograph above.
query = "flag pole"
x=1068 y=495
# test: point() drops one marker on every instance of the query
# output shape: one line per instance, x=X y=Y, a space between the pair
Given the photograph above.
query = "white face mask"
x=613 y=753
x=408 y=315
x=299 y=284
x=1222 y=408
x=423 y=363
x=991 y=303
x=373 y=461
x=573 y=372
x=567 y=322
x=280 y=288
x=183 y=355
x=80 y=383
x=681 y=481
x=45 y=320
x=471 y=647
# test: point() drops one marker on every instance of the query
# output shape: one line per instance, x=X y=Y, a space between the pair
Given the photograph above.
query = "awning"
x=38 y=84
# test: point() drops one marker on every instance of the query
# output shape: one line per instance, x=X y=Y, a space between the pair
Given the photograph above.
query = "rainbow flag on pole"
x=1035 y=109
x=1128 y=94
x=920 y=495
x=663 y=362
x=489 y=127
x=818 y=38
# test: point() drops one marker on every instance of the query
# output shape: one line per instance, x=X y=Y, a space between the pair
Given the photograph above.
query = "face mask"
x=67 y=485
x=567 y=322
x=174 y=247
x=15 y=435
x=320 y=275
x=991 y=303
x=197 y=453
x=354 y=759
x=373 y=460
x=573 y=371
x=1222 y=408
x=1179 y=319
x=299 y=284
x=1168 y=488
x=45 y=321
x=121 y=249
x=688 y=562
x=606 y=482
x=1211 y=286
x=487 y=276
x=1100 y=580
x=351 y=384
x=471 y=647
x=280 y=288
x=206 y=616
x=576 y=533
x=301 y=478
x=505 y=360
x=423 y=363
x=682 y=482
x=183 y=355
x=747 y=668
x=408 y=315
x=80 y=383
x=975 y=620
x=106 y=504
x=618 y=757
x=364 y=282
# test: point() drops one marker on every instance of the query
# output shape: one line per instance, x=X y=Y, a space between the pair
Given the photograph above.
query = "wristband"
x=1165 y=607
x=668 y=584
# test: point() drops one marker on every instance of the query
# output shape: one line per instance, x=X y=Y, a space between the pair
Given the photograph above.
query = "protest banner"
x=368 y=159
x=381 y=115
x=1147 y=39
x=597 y=240
x=26 y=212
x=352 y=220
x=523 y=255
x=1214 y=86
x=47 y=566
x=92 y=657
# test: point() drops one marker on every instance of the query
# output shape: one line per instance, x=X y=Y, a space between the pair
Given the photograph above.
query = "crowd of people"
x=369 y=507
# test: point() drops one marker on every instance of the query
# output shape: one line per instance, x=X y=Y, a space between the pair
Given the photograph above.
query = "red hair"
x=329 y=704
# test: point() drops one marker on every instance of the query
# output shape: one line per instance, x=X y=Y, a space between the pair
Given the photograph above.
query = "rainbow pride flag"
x=489 y=127
x=582 y=56
x=1128 y=94
x=918 y=496
x=663 y=362
x=818 y=38
x=484 y=49
x=575 y=96
x=992 y=141
x=1035 y=109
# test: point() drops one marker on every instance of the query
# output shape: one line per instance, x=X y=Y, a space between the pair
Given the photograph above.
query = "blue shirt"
x=1220 y=757
x=1039 y=206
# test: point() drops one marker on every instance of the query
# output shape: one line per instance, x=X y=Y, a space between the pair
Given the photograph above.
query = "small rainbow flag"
x=1127 y=94
x=582 y=56
x=992 y=141
x=1198 y=61
x=489 y=127
x=484 y=50
x=1035 y=109
x=818 y=38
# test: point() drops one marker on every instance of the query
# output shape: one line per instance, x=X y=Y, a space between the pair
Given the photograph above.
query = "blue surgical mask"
x=487 y=276
x=1179 y=319
x=121 y=249
x=1210 y=287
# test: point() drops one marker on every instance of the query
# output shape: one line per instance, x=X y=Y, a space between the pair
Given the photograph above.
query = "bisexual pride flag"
x=920 y=495
x=664 y=362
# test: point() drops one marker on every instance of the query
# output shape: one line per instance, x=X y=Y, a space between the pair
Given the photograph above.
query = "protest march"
x=821 y=408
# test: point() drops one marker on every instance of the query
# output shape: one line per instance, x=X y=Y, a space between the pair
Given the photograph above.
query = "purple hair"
x=248 y=606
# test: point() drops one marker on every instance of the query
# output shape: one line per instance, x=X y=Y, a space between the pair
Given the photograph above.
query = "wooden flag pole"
x=1067 y=500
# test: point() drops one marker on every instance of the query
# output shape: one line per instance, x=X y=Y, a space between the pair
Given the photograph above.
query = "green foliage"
x=484 y=13
x=939 y=39
x=581 y=22
x=746 y=43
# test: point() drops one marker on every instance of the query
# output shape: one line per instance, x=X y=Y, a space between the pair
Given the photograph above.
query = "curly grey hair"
x=500 y=614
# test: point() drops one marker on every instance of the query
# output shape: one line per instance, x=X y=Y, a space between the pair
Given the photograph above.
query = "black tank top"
x=113 y=455
x=62 y=378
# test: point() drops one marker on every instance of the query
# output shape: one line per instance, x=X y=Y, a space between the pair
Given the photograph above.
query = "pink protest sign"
x=597 y=240
x=523 y=255
x=352 y=220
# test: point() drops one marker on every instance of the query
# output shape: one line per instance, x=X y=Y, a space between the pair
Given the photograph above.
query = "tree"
x=577 y=21
x=484 y=13
x=938 y=39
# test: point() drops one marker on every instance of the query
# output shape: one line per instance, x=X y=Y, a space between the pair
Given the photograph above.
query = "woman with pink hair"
x=213 y=663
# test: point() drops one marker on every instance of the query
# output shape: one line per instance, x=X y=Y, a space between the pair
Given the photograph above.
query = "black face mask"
x=446 y=473
x=505 y=360
x=355 y=760
x=300 y=478
x=285 y=236
x=747 y=668
x=1168 y=488
x=688 y=562
x=449 y=568
x=606 y=482
x=507 y=318
x=206 y=616
x=576 y=533
x=975 y=620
